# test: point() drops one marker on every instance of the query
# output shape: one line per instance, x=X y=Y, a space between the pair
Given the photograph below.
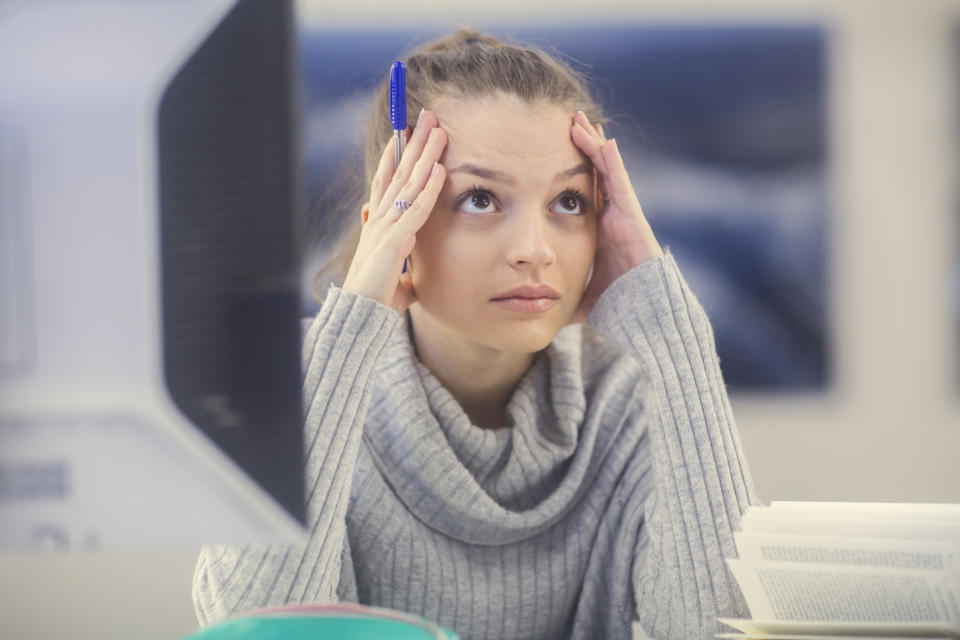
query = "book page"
x=834 y=593
x=866 y=552
x=914 y=509
x=852 y=630
x=794 y=636
x=769 y=520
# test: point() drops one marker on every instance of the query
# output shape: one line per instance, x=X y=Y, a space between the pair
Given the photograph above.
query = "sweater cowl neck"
x=494 y=486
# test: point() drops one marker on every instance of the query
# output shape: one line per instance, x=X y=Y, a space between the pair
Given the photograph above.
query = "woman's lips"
x=528 y=305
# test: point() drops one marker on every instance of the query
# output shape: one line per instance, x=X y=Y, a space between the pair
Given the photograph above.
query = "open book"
x=840 y=570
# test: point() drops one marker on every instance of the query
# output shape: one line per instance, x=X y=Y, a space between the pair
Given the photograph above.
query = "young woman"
x=526 y=433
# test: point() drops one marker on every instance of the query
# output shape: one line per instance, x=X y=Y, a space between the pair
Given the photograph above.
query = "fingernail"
x=420 y=117
x=435 y=170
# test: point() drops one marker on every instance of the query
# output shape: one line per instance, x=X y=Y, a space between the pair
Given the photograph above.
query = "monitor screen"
x=149 y=339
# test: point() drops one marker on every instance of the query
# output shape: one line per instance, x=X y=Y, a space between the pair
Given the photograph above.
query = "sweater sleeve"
x=701 y=484
x=341 y=349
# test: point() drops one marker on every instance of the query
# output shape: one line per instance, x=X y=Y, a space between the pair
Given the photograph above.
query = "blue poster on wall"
x=723 y=131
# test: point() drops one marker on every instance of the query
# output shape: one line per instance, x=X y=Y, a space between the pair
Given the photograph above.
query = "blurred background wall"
x=723 y=130
x=887 y=425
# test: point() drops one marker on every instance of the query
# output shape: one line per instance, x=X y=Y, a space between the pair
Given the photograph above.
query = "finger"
x=411 y=189
x=603 y=200
x=411 y=154
x=422 y=173
x=582 y=123
x=582 y=119
x=617 y=181
x=381 y=178
x=591 y=146
x=599 y=128
x=413 y=218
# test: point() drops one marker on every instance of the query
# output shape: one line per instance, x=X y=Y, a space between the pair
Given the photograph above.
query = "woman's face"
x=517 y=209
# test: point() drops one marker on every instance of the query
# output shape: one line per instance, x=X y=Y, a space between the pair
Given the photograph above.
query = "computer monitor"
x=149 y=315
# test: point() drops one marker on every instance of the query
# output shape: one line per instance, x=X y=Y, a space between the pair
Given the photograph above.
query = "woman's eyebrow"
x=500 y=176
x=575 y=171
x=482 y=172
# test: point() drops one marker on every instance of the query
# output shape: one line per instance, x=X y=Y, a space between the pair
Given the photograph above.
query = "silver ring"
x=402 y=205
x=606 y=201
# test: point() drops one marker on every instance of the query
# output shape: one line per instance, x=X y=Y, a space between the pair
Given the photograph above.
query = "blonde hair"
x=464 y=65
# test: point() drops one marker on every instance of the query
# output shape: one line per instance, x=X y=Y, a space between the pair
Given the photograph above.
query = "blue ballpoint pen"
x=398 y=115
x=398 y=107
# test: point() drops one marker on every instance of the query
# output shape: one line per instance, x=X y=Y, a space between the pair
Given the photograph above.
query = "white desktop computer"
x=149 y=318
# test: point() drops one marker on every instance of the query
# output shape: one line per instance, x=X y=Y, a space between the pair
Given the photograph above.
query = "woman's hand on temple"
x=388 y=234
x=624 y=237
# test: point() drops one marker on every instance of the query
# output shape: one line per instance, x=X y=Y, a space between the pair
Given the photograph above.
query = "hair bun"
x=463 y=37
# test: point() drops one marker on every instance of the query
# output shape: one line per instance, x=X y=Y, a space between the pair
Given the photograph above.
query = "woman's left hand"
x=624 y=237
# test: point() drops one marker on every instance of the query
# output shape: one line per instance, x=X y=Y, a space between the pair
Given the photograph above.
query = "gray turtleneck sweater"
x=611 y=494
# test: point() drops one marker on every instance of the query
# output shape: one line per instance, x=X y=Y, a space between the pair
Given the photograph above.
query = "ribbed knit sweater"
x=611 y=494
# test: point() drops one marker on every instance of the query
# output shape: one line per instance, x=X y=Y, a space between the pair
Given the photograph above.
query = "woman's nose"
x=528 y=240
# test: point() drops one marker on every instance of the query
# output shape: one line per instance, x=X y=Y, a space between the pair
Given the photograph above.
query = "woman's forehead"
x=508 y=132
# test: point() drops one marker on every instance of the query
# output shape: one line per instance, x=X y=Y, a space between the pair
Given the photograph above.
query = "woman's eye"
x=569 y=204
x=478 y=202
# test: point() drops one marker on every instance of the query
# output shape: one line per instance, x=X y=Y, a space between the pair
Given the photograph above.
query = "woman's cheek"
x=434 y=255
x=582 y=244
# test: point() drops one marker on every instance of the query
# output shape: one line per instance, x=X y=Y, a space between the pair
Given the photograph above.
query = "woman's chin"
x=507 y=332
x=521 y=337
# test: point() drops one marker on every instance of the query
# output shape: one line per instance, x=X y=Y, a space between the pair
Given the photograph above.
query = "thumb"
x=405 y=295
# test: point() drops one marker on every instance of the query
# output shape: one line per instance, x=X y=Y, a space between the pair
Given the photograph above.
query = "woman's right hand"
x=388 y=235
